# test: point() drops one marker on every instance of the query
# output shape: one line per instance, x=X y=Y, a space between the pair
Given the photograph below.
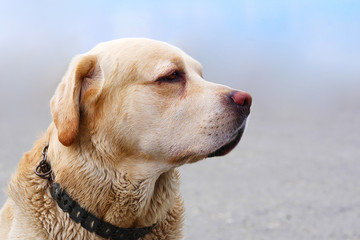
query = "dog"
x=125 y=115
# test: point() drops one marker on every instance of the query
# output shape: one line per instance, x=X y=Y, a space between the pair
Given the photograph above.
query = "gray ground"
x=295 y=174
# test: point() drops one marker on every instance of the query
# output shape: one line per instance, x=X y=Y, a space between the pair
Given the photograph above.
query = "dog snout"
x=243 y=99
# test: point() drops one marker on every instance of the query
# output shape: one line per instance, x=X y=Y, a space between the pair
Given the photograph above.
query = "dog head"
x=139 y=96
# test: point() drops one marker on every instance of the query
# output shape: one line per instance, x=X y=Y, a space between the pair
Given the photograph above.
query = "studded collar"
x=80 y=215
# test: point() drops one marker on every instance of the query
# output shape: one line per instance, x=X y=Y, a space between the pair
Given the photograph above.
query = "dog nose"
x=241 y=98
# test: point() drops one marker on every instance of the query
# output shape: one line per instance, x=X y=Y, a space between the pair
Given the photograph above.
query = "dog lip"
x=225 y=149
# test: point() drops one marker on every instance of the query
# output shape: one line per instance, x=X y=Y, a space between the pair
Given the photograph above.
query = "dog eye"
x=172 y=77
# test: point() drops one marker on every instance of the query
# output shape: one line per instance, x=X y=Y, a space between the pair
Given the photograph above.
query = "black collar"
x=80 y=215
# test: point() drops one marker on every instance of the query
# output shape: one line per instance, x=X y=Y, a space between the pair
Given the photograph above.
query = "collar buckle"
x=43 y=169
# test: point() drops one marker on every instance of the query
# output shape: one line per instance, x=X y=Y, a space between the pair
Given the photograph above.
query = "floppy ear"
x=65 y=104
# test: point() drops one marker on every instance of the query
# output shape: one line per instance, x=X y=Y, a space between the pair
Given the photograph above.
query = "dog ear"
x=65 y=104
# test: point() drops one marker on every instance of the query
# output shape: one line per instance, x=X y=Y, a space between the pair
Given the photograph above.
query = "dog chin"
x=229 y=146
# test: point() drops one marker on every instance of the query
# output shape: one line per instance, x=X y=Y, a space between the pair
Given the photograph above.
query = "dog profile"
x=125 y=116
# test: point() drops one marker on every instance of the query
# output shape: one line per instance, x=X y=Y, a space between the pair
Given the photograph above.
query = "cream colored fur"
x=117 y=137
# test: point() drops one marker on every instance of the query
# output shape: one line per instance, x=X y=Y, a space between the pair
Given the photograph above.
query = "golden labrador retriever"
x=125 y=116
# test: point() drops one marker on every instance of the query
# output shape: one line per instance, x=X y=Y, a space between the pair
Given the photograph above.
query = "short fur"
x=117 y=136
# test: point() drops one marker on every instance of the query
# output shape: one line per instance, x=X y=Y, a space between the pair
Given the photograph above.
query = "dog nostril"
x=242 y=98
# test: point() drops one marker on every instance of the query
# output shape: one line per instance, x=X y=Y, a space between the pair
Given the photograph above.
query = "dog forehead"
x=129 y=48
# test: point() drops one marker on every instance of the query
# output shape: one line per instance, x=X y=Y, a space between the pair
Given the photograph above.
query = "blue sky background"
x=305 y=49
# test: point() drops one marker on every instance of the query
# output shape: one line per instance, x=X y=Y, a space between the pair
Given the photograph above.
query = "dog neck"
x=127 y=191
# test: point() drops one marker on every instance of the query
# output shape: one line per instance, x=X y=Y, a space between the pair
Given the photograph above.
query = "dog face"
x=139 y=96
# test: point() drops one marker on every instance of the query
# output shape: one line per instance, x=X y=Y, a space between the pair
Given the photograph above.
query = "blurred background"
x=296 y=172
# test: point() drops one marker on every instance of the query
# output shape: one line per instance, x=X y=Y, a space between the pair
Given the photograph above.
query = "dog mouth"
x=225 y=149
